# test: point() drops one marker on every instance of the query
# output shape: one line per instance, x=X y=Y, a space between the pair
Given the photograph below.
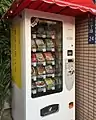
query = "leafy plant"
x=5 y=54
x=5 y=69
x=5 y=85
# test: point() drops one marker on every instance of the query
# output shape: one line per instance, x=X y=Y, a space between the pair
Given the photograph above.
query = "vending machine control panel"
x=69 y=73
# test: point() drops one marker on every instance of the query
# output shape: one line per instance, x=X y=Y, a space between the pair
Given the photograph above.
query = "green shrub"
x=5 y=58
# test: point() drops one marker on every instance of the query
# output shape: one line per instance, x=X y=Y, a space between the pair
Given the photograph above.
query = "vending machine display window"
x=46 y=57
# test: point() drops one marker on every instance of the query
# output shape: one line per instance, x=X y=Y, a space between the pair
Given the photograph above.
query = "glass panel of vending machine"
x=46 y=57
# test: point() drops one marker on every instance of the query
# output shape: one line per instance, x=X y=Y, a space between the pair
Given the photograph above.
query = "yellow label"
x=16 y=54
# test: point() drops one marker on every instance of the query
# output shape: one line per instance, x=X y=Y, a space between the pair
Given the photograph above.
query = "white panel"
x=33 y=106
x=19 y=94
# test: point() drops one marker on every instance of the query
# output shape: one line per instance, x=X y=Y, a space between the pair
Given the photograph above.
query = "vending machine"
x=43 y=66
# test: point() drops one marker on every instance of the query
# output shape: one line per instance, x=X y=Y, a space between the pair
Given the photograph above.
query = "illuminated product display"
x=47 y=57
x=45 y=34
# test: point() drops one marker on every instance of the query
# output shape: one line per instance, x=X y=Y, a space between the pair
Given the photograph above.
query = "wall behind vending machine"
x=85 y=73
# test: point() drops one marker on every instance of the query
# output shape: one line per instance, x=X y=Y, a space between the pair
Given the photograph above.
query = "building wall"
x=85 y=73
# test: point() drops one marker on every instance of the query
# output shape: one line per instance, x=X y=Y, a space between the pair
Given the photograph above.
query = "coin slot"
x=69 y=52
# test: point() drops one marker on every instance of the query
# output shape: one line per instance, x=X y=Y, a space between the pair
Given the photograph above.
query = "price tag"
x=44 y=63
x=34 y=91
x=34 y=50
x=53 y=62
x=53 y=88
x=44 y=72
x=53 y=49
x=44 y=76
x=53 y=75
x=34 y=78
x=44 y=89
x=44 y=50
x=53 y=36
x=34 y=64
x=43 y=36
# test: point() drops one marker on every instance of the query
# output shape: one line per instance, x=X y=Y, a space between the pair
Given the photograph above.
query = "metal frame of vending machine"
x=47 y=96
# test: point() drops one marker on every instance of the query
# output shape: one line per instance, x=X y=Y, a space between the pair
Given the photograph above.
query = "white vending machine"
x=43 y=66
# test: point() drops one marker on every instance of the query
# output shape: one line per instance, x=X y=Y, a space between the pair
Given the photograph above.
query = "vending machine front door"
x=46 y=56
